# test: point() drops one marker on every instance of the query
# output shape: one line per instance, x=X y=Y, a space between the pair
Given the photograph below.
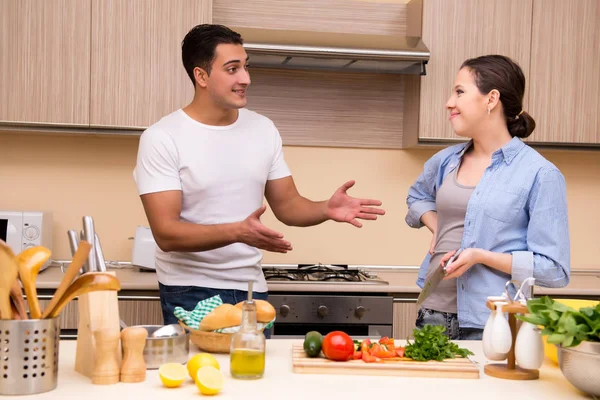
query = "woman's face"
x=467 y=106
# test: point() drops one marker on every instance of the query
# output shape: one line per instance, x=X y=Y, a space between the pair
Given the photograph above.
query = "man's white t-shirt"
x=222 y=172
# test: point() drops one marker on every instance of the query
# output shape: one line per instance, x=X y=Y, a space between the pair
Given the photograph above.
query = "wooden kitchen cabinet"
x=45 y=62
x=132 y=310
x=137 y=75
x=405 y=315
x=564 y=84
x=455 y=30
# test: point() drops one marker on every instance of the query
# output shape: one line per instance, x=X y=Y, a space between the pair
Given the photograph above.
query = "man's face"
x=229 y=77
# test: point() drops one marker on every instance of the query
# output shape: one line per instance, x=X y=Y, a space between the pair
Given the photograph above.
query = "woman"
x=495 y=197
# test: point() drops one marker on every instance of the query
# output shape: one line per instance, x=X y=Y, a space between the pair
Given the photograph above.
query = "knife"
x=434 y=280
x=74 y=245
x=89 y=235
x=99 y=254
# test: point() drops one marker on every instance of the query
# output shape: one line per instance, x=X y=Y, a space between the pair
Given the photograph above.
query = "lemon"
x=200 y=360
x=172 y=374
x=209 y=380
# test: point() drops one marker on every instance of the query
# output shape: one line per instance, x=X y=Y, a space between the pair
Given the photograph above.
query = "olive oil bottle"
x=247 y=350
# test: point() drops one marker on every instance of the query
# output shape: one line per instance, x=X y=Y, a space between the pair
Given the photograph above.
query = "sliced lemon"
x=209 y=380
x=172 y=375
x=200 y=360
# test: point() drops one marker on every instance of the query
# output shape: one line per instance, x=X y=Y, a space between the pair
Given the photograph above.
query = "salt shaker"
x=133 y=368
x=501 y=336
x=106 y=366
x=488 y=349
x=529 y=347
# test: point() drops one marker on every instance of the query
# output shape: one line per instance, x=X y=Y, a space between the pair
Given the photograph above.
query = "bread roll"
x=224 y=316
x=264 y=310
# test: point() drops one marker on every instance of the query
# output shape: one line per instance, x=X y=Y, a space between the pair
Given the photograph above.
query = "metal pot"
x=580 y=365
x=161 y=350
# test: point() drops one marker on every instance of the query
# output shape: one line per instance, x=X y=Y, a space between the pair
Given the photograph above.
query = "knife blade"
x=99 y=254
x=89 y=234
x=74 y=245
x=434 y=280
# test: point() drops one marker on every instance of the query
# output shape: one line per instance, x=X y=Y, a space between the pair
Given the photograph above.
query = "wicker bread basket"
x=210 y=342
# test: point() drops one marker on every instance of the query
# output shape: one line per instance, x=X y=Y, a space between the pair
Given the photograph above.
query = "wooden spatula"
x=10 y=270
x=79 y=258
x=16 y=295
x=30 y=262
x=89 y=282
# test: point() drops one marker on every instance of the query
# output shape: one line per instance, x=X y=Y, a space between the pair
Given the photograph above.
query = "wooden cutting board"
x=452 y=368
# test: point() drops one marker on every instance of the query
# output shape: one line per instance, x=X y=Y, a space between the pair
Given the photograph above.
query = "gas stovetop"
x=321 y=273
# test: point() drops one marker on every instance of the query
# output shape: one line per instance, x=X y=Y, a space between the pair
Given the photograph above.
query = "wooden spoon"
x=19 y=304
x=15 y=312
x=10 y=270
x=89 y=282
x=30 y=262
x=82 y=253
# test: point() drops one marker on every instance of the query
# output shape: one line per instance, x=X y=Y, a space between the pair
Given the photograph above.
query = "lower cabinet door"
x=405 y=315
x=133 y=310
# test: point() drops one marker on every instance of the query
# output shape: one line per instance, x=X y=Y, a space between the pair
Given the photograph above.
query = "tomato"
x=338 y=346
x=400 y=351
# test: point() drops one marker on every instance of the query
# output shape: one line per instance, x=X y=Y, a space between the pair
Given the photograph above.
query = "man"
x=202 y=173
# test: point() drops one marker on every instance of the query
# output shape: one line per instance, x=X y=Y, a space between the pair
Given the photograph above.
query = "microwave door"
x=11 y=233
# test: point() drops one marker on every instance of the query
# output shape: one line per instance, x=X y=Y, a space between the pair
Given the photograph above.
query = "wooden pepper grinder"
x=106 y=367
x=133 y=368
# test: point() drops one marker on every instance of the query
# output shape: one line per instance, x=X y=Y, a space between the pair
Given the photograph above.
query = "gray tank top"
x=451 y=205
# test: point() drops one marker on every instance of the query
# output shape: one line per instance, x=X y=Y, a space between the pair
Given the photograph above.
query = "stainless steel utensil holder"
x=28 y=356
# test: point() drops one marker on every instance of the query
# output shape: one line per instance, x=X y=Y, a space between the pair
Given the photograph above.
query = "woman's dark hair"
x=199 y=46
x=503 y=74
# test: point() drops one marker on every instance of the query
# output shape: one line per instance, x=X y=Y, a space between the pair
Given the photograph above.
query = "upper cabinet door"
x=45 y=61
x=137 y=72
x=455 y=30
x=565 y=71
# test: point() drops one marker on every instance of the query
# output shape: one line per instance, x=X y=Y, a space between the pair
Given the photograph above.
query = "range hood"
x=271 y=48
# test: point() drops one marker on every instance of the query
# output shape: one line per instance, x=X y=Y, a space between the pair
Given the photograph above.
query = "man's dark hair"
x=199 y=46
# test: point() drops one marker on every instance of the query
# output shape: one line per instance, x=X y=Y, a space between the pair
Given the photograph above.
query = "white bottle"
x=501 y=336
x=529 y=347
x=488 y=350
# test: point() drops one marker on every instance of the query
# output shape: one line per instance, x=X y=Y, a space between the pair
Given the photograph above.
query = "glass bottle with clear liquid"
x=248 y=346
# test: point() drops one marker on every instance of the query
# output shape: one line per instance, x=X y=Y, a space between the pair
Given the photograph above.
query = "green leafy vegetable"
x=430 y=343
x=562 y=324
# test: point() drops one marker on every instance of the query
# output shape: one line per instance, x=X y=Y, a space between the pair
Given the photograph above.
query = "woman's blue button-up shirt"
x=519 y=207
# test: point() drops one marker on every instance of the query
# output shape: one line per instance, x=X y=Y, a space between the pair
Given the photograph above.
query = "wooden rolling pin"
x=133 y=368
x=106 y=368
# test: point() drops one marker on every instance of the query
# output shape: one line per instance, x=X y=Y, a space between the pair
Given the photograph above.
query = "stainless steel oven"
x=358 y=315
x=328 y=298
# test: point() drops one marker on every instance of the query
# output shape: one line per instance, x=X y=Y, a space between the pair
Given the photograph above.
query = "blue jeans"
x=187 y=297
x=450 y=321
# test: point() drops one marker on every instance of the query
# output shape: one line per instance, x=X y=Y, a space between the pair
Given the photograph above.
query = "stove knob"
x=322 y=311
x=284 y=310
x=359 y=312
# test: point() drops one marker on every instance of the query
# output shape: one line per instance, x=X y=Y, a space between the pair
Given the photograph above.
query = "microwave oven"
x=23 y=229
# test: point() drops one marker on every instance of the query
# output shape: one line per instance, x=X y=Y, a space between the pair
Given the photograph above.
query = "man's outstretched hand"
x=254 y=233
x=344 y=208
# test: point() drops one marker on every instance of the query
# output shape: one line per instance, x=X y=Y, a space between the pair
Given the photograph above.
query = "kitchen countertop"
x=280 y=382
x=401 y=281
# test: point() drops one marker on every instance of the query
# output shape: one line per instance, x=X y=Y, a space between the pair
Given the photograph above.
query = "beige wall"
x=75 y=176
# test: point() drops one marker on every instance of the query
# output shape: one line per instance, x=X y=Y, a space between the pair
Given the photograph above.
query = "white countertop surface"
x=400 y=281
x=279 y=382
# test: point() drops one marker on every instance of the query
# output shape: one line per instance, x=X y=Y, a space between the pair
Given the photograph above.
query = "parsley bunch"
x=562 y=324
x=431 y=344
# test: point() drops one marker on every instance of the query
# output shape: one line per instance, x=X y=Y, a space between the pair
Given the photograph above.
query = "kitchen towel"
x=205 y=307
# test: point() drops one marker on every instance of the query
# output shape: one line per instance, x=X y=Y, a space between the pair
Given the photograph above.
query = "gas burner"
x=319 y=273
